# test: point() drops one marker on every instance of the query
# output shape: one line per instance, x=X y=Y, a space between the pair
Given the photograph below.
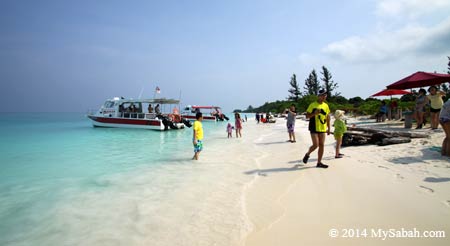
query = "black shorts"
x=433 y=110
x=314 y=132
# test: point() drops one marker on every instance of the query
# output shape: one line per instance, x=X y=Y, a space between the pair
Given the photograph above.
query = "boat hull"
x=150 y=124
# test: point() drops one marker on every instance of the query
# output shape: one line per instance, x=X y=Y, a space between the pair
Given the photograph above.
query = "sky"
x=70 y=56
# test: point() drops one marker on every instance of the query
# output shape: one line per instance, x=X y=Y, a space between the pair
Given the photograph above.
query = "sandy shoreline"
x=390 y=187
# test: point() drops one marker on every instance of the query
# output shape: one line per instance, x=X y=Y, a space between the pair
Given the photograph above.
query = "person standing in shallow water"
x=318 y=114
x=197 y=139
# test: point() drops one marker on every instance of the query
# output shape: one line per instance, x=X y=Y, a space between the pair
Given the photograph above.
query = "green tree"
x=448 y=65
x=444 y=86
x=294 y=91
x=312 y=86
x=328 y=83
x=356 y=101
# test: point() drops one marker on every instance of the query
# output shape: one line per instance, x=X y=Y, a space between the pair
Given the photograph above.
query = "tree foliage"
x=448 y=65
x=444 y=86
x=312 y=86
x=328 y=84
x=294 y=91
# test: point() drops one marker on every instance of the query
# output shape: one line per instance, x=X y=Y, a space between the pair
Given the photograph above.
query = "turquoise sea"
x=64 y=182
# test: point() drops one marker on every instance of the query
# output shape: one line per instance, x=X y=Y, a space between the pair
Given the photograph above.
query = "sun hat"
x=338 y=114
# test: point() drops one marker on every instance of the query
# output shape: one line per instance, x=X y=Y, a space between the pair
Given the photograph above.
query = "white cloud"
x=409 y=8
x=382 y=46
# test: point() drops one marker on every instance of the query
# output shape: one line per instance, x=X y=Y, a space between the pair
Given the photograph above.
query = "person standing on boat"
x=197 y=135
x=150 y=109
x=157 y=110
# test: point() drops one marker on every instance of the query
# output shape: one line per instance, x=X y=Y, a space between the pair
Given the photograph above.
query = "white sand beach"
x=372 y=188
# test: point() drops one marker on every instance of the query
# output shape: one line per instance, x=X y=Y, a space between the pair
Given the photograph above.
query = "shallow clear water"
x=64 y=182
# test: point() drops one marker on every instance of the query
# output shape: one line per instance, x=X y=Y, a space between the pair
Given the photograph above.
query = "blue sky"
x=72 y=55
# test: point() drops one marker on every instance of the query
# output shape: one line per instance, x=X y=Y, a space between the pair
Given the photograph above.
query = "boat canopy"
x=206 y=107
x=153 y=101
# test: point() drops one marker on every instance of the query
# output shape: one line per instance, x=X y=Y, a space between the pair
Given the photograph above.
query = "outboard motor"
x=166 y=123
x=225 y=117
x=186 y=123
x=172 y=125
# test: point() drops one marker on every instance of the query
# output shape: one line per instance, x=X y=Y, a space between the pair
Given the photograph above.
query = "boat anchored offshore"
x=155 y=114
x=210 y=113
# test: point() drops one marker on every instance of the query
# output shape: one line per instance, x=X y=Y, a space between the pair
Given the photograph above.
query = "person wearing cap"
x=339 y=129
x=436 y=103
x=318 y=114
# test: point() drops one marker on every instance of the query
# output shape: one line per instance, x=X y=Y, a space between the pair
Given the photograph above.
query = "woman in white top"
x=436 y=103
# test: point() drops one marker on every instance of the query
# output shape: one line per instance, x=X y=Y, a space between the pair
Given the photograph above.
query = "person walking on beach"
x=230 y=130
x=290 y=123
x=436 y=104
x=318 y=114
x=198 y=135
x=238 y=124
x=339 y=129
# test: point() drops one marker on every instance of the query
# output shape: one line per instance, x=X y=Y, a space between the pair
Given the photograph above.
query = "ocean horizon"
x=63 y=181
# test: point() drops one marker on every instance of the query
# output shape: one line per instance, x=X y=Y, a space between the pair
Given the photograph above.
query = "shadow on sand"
x=271 y=143
x=264 y=172
x=436 y=180
x=428 y=154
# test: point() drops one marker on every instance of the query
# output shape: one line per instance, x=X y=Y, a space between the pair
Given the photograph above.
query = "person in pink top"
x=238 y=124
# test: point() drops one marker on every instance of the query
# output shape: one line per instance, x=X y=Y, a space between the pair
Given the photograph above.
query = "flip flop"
x=305 y=159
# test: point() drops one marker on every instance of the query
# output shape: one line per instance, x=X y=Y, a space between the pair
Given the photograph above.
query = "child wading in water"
x=339 y=129
x=198 y=135
x=230 y=130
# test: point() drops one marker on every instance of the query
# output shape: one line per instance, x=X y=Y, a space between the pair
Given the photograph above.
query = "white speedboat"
x=210 y=113
x=155 y=114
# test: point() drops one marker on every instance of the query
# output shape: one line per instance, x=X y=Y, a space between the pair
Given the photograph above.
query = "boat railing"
x=133 y=115
x=91 y=111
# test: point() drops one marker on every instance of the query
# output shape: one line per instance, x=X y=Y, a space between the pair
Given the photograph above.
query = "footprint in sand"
x=383 y=167
x=400 y=176
x=448 y=203
x=427 y=188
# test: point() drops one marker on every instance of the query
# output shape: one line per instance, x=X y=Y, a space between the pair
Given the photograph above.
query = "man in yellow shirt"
x=198 y=135
x=318 y=114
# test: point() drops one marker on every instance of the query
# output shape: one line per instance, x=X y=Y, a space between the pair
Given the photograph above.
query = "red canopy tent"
x=420 y=79
x=390 y=92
